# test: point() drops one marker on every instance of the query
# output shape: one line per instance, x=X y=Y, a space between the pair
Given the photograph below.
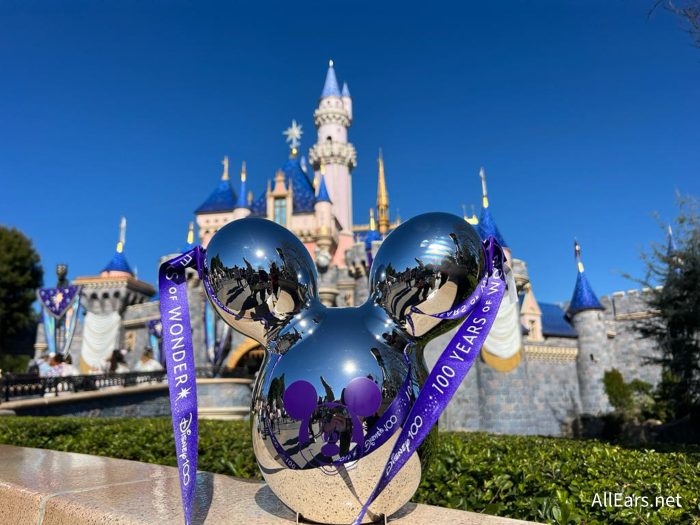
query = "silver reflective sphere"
x=330 y=373
x=432 y=262
x=258 y=275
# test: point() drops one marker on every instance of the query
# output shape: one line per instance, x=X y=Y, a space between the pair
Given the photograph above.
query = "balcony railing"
x=14 y=387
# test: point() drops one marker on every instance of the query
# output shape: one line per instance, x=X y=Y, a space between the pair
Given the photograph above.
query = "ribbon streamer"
x=182 y=378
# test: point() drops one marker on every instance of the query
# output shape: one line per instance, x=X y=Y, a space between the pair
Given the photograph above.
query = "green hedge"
x=540 y=479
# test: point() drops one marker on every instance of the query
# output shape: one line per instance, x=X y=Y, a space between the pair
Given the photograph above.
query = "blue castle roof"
x=554 y=321
x=323 y=191
x=223 y=198
x=346 y=90
x=241 y=202
x=330 y=87
x=583 y=297
x=303 y=197
x=487 y=228
x=259 y=206
x=372 y=235
x=118 y=264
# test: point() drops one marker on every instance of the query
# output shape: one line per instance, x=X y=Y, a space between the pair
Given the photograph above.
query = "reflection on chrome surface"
x=330 y=373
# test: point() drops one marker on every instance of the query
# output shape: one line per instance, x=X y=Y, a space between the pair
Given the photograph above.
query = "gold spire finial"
x=250 y=198
x=485 y=198
x=577 y=255
x=382 y=197
x=372 y=224
x=330 y=63
x=122 y=235
x=224 y=175
x=190 y=233
x=473 y=220
x=243 y=172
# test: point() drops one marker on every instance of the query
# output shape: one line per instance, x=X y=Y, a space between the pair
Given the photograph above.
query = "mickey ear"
x=258 y=276
x=432 y=262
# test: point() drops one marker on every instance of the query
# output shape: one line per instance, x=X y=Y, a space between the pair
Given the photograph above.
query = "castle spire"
x=118 y=262
x=330 y=86
x=372 y=224
x=382 y=198
x=122 y=235
x=473 y=220
x=583 y=297
x=224 y=175
x=322 y=195
x=190 y=234
x=346 y=90
x=484 y=193
x=487 y=225
x=223 y=198
x=241 y=202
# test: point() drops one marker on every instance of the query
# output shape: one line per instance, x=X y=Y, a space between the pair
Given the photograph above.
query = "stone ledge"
x=46 y=487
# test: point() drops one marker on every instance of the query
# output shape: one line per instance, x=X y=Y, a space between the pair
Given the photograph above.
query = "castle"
x=541 y=367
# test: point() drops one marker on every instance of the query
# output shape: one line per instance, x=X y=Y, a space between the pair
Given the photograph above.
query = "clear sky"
x=584 y=113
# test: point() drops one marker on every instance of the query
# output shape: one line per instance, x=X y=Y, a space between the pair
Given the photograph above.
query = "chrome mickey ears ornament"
x=343 y=396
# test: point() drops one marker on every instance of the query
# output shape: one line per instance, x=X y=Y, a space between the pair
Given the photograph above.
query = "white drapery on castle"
x=100 y=333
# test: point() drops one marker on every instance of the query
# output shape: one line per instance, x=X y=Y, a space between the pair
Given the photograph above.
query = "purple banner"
x=448 y=373
x=182 y=379
x=56 y=301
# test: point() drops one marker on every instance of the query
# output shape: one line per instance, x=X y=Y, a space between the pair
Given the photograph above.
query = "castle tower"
x=531 y=315
x=242 y=208
x=382 y=199
x=106 y=298
x=332 y=119
x=216 y=210
x=585 y=312
x=323 y=209
x=487 y=225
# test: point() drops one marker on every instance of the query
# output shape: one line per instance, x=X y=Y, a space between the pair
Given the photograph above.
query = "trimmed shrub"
x=533 y=478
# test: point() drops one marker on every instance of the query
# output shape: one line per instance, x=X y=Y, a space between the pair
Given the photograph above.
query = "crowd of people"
x=59 y=365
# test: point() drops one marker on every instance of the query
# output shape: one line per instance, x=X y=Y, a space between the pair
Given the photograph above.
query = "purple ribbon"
x=448 y=373
x=182 y=379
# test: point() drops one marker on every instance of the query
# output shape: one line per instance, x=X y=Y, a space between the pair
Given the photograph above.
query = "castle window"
x=281 y=211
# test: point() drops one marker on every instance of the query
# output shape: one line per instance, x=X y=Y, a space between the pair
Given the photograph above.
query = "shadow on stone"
x=404 y=511
x=204 y=493
x=270 y=503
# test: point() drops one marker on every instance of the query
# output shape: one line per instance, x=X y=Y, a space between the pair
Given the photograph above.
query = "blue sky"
x=585 y=115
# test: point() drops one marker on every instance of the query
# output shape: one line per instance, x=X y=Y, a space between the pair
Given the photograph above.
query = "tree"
x=676 y=303
x=688 y=10
x=20 y=275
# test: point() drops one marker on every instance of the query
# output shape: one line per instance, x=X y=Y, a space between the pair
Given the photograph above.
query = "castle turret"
x=347 y=99
x=585 y=312
x=242 y=208
x=487 y=225
x=382 y=199
x=332 y=149
x=216 y=210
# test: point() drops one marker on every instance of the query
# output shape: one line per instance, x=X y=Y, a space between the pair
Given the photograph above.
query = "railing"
x=22 y=386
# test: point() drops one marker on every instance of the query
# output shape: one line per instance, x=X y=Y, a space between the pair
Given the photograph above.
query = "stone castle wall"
x=628 y=351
